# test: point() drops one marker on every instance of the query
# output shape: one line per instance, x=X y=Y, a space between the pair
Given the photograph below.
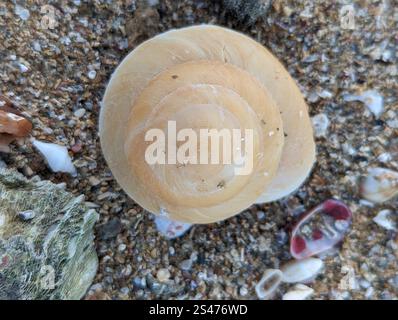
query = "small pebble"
x=260 y=215
x=110 y=229
x=153 y=3
x=92 y=74
x=393 y=123
x=77 y=147
x=163 y=275
x=384 y=219
x=139 y=282
x=94 y=181
x=364 y=283
x=325 y=94
x=243 y=291
x=369 y=292
x=387 y=56
x=384 y=157
x=320 y=123
x=28 y=171
x=22 y=12
x=287 y=11
x=372 y=99
x=125 y=291
x=23 y=68
x=186 y=265
x=79 y=113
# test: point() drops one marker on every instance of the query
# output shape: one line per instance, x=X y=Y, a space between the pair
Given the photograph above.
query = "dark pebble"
x=110 y=229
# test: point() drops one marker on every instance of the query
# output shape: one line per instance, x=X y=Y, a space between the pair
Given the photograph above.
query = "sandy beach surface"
x=56 y=62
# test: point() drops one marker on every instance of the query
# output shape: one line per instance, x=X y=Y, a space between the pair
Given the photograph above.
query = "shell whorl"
x=203 y=77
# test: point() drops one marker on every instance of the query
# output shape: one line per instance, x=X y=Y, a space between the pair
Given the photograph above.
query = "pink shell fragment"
x=320 y=229
x=169 y=228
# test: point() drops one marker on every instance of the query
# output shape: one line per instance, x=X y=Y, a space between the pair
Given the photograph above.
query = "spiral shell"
x=205 y=77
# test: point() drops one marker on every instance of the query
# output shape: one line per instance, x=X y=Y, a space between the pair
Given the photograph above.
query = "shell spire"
x=205 y=77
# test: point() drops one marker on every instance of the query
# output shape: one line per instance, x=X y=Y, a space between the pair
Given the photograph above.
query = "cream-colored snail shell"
x=205 y=77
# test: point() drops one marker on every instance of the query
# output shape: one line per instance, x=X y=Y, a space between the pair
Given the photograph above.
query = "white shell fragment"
x=301 y=270
x=57 y=157
x=371 y=98
x=79 y=113
x=320 y=123
x=163 y=275
x=92 y=74
x=268 y=283
x=349 y=281
x=380 y=185
x=26 y=215
x=384 y=219
x=298 y=292
x=169 y=228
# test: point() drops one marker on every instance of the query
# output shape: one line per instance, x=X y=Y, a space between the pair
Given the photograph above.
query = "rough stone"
x=51 y=255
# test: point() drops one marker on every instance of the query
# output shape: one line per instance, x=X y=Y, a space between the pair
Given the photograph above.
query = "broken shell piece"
x=268 y=283
x=163 y=275
x=26 y=215
x=298 y=292
x=380 y=185
x=14 y=124
x=320 y=123
x=301 y=270
x=371 y=98
x=57 y=157
x=169 y=228
x=385 y=220
x=320 y=229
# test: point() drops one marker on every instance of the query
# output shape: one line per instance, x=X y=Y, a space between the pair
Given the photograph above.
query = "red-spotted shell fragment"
x=320 y=229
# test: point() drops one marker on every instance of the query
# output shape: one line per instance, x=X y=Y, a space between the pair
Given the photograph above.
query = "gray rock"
x=52 y=254
x=186 y=265
x=110 y=229
x=139 y=283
